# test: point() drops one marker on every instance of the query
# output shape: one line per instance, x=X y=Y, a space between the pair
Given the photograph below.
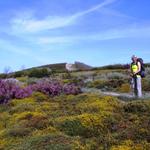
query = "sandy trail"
x=117 y=94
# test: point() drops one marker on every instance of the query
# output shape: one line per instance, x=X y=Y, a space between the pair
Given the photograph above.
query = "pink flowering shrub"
x=10 y=90
x=71 y=89
x=51 y=88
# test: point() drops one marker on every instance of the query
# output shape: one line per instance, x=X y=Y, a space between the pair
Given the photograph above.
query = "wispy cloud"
x=33 y=25
x=92 y=9
x=130 y=31
x=30 y=24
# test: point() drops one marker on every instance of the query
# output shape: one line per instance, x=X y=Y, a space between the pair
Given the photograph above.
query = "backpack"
x=142 y=72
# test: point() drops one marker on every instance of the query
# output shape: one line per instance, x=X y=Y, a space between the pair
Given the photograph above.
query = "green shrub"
x=18 y=132
x=40 y=97
x=3 y=76
x=130 y=145
x=46 y=142
x=72 y=127
x=136 y=107
x=39 y=73
x=18 y=74
x=32 y=119
x=97 y=84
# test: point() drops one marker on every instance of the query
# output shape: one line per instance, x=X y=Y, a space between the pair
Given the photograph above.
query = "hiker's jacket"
x=135 y=69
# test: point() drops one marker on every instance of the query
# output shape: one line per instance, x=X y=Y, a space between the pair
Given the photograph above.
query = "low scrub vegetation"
x=52 y=113
x=74 y=122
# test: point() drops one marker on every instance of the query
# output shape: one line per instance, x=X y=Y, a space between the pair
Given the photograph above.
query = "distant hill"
x=45 y=70
x=61 y=67
x=58 y=67
x=82 y=66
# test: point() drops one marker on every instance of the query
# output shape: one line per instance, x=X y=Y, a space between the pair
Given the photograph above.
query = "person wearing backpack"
x=142 y=71
x=136 y=69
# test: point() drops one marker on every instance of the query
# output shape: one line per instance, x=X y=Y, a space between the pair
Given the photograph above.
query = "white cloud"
x=29 y=24
x=123 y=32
x=32 y=25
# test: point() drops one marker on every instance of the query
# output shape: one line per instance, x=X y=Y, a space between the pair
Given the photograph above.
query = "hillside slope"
x=81 y=122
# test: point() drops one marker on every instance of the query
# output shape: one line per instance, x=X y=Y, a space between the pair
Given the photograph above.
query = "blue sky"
x=96 y=32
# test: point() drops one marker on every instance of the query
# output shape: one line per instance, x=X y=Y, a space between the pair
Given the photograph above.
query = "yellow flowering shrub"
x=40 y=97
x=86 y=121
x=78 y=146
x=48 y=106
x=16 y=102
x=99 y=104
x=4 y=118
x=130 y=145
x=22 y=79
x=86 y=125
x=90 y=120
x=27 y=115
x=45 y=131
x=29 y=119
x=2 y=133
x=23 y=108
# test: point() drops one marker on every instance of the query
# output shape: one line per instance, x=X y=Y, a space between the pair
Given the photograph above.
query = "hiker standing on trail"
x=136 y=77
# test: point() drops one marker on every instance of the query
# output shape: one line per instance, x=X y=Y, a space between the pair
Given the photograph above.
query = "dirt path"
x=117 y=94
